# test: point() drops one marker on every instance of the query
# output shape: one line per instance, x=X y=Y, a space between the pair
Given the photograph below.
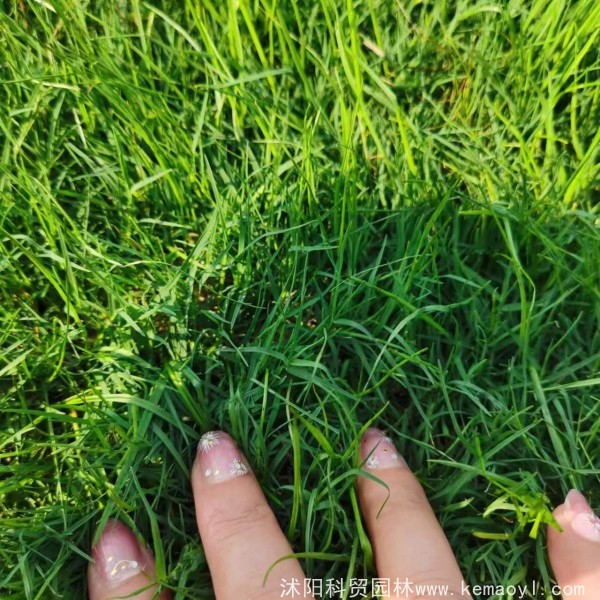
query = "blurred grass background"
x=289 y=219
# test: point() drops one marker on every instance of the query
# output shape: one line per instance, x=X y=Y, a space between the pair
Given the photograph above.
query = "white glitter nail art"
x=372 y=462
x=122 y=569
x=208 y=441
x=237 y=468
x=592 y=521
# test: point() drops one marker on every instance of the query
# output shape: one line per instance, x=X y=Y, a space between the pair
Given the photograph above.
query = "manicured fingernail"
x=379 y=451
x=585 y=522
x=220 y=458
x=117 y=556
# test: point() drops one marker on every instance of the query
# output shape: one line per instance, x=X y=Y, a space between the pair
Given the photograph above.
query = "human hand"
x=242 y=538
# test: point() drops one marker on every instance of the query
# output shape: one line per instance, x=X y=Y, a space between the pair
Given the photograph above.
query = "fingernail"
x=585 y=522
x=118 y=556
x=220 y=458
x=379 y=451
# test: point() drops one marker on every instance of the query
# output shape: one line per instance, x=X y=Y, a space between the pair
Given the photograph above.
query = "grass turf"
x=288 y=220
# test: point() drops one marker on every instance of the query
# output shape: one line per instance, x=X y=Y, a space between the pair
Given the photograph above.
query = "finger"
x=240 y=534
x=574 y=553
x=409 y=544
x=121 y=567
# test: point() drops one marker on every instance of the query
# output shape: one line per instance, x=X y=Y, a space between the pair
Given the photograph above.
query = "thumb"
x=574 y=553
x=121 y=567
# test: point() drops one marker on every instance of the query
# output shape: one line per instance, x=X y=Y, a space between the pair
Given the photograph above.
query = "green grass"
x=287 y=219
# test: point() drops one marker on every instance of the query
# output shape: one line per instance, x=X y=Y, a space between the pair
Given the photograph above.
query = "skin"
x=242 y=538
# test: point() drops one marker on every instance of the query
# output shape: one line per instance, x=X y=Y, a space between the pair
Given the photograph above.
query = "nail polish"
x=379 y=451
x=118 y=556
x=220 y=458
x=585 y=522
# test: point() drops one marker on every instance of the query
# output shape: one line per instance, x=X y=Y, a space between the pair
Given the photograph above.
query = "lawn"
x=287 y=219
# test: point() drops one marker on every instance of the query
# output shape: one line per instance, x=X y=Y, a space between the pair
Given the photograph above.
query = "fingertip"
x=377 y=451
x=407 y=539
x=574 y=552
x=120 y=565
x=242 y=540
x=577 y=515
x=118 y=555
x=218 y=459
x=576 y=501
